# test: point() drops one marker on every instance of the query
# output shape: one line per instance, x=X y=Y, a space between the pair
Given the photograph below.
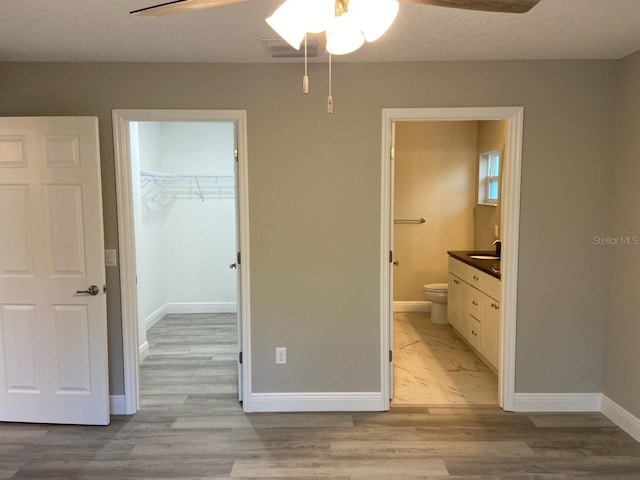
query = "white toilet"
x=436 y=293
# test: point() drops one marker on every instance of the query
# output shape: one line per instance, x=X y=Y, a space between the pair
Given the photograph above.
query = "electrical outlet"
x=281 y=355
x=496 y=231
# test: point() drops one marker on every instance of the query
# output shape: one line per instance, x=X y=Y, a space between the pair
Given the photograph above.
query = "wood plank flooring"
x=191 y=427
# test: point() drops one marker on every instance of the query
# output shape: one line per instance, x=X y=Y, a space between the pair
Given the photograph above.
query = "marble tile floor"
x=433 y=366
x=205 y=436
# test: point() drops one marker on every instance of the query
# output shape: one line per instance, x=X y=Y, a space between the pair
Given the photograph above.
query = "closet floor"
x=192 y=358
x=433 y=366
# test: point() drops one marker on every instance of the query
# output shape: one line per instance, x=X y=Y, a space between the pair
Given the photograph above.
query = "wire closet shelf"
x=157 y=186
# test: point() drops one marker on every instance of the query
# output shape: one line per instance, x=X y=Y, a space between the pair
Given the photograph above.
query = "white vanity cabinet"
x=473 y=308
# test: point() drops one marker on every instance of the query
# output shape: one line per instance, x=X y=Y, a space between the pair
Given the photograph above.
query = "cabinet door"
x=491 y=331
x=454 y=301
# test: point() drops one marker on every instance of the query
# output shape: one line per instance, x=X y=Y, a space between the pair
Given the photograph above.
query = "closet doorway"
x=183 y=235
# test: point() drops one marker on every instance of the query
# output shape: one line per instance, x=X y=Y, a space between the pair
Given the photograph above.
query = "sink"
x=483 y=256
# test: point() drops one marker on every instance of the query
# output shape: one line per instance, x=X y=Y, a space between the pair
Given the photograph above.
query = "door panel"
x=53 y=340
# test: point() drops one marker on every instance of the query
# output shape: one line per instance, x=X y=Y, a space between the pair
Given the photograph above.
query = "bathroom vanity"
x=473 y=307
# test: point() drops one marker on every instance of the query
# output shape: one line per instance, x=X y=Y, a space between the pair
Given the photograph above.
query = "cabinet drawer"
x=475 y=337
x=475 y=305
x=459 y=269
x=476 y=278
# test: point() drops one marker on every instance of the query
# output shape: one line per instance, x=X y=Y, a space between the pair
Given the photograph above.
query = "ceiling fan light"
x=374 y=16
x=286 y=22
x=344 y=35
x=317 y=14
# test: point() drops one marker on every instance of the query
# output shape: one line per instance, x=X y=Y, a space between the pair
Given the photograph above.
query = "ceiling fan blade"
x=501 y=6
x=180 y=6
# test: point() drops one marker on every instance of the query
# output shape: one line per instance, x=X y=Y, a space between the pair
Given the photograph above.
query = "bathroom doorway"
x=465 y=118
x=436 y=211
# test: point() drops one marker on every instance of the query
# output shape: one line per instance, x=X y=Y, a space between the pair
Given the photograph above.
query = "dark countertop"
x=492 y=267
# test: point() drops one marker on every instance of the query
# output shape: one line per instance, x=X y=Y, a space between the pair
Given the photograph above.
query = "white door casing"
x=126 y=239
x=509 y=226
x=53 y=341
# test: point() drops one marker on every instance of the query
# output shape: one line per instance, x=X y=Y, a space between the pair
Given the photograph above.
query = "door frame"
x=126 y=238
x=510 y=229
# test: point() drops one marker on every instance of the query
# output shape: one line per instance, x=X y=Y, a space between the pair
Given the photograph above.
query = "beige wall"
x=435 y=165
x=315 y=199
x=492 y=135
x=622 y=374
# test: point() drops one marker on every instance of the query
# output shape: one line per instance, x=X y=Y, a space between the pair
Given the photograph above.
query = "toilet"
x=436 y=293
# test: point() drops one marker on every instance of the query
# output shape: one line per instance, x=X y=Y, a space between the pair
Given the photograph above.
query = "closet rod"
x=417 y=221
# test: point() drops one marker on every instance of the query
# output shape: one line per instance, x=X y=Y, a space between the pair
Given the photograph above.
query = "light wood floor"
x=192 y=428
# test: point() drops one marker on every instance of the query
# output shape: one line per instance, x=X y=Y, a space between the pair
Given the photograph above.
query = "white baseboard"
x=117 y=405
x=202 y=307
x=417 y=306
x=143 y=351
x=621 y=417
x=156 y=316
x=557 y=402
x=316 y=402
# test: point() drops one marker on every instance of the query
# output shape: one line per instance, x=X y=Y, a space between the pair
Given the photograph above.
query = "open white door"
x=236 y=174
x=53 y=328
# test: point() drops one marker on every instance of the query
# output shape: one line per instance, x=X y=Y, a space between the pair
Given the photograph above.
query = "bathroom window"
x=489 y=178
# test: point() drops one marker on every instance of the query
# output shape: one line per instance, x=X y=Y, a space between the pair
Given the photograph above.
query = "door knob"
x=93 y=290
x=233 y=265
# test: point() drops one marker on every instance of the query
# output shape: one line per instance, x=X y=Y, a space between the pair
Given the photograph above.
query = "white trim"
x=510 y=227
x=316 y=402
x=126 y=237
x=117 y=405
x=202 y=307
x=557 y=402
x=156 y=316
x=621 y=417
x=411 y=306
x=143 y=352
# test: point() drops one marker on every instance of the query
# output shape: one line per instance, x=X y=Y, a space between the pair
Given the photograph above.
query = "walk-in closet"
x=185 y=235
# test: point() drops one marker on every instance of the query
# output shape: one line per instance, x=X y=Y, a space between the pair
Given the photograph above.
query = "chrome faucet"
x=498 y=244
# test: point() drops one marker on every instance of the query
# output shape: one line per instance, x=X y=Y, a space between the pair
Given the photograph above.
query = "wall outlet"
x=281 y=355
x=496 y=231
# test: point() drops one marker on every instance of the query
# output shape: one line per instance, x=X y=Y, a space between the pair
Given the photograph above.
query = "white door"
x=238 y=260
x=53 y=338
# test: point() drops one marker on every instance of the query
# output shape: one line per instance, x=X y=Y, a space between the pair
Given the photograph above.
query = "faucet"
x=498 y=244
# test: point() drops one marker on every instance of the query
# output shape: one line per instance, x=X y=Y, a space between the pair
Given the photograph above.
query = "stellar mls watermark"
x=619 y=240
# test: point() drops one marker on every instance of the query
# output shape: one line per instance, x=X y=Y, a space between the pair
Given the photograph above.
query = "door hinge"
x=235 y=154
x=238 y=258
x=391 y=153
x=390 y=256
x=391 y=355
x=240 y=357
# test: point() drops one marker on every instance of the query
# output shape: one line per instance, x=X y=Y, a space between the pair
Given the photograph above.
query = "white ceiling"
x=102 y=30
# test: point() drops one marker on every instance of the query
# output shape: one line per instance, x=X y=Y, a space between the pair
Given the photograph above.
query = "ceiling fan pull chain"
x=305 y=79
x=330 y=99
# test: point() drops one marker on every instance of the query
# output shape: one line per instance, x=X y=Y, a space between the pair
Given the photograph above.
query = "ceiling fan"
x=342 y=26
x=500 y=6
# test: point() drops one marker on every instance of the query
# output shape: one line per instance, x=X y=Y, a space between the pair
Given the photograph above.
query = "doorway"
x=508 y=228
x=437 y=210
x=183 y=222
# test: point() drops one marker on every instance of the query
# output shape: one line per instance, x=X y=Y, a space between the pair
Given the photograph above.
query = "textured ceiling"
x=102 y=30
